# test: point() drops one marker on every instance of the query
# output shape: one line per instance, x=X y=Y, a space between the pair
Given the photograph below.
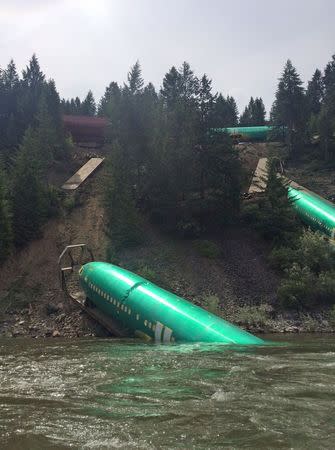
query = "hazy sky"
x=242 y=44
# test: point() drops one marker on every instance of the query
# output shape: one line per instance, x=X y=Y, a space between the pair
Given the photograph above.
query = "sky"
x=242 y=45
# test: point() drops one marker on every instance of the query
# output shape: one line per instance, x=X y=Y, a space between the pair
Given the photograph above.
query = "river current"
x=107 y=393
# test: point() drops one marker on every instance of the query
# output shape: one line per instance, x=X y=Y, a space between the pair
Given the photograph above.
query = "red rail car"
x=86 y=129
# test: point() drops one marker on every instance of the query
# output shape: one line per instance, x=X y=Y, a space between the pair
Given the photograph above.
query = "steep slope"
x=29 y=287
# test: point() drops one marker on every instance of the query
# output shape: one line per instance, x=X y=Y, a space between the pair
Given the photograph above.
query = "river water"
x=102 y=394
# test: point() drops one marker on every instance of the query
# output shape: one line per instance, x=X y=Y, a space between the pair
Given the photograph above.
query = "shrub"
x=69 y=203
x=281 y=258
x=211 y=303
x=253 y=315
x=188 y=228
x=332 y=316
x=149 y=274
x=303 y=289
x=315 y=252
x=207 y=248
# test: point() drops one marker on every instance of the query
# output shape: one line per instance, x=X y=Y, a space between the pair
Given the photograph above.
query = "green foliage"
x=150 y=274
x=289 y=108
x=273 y=216
x=177 y=173
x=28 y=193
x=207 y=248
x=135 y=80
x=309 y=272
x=19 y=296
x=332 y=316
x=124 y=225
x=6 y=235
x=254 y=316
x=88 y=107
x=225 y=112
x=254 y=113
x=69 y=202
x=212 y=304
x=31 y=137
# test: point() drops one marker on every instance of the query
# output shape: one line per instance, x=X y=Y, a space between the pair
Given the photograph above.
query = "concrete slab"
x=84 y=172
x=259 y=180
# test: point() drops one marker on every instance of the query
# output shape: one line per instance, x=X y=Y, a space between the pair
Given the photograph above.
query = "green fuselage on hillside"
x=260 y=133
x=316 y=212
x=151 y=311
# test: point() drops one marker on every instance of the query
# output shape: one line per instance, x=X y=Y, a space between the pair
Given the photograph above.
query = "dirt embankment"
x=32 y=303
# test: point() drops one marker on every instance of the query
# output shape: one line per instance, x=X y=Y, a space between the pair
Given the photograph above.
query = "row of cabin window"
x=318 y=221
x=124 y=308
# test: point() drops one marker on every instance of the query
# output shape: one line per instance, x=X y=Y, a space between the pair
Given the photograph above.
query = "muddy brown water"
x=104 y=394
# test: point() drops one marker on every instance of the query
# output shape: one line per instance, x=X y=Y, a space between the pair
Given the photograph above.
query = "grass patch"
x=19 y=296
x=253 y=316
x=211 y=303
x=207 y=248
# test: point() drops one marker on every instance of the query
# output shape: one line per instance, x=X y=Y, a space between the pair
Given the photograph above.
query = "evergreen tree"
x=135 y=80
x=31 y=90
x=121 y=213
x=171 y=89
x=273 y=215
x=9 y=91
x=206 y=102
x=327 y=114
x=289 y=109
x=6 y=236
x=314 y=92
x=76 y=106
x=189 y=83
x=225 y=113
x=28 y=193
x=110 y=101
x=246 y=117
x=53 y=106
x=254 y=113
x=258 y=116
x=88 y=106
x=44 y=134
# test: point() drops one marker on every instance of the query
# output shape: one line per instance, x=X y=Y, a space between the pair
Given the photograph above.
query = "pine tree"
x=9 y=124
x=189 y=83
x=289 y=109
x=314 y=93
x=254 y=113
x=258 y=116
x=31 y=89
x=206 y=102
x=171 y=89
x=28 y=192
x=88 y=106
x=110 y=100
x=6 y=235
x=246 y=117
x=46 y=134
x=135 y=80
x=76 y=106
x=327 y=114
x=121 y=213
x=225 y=112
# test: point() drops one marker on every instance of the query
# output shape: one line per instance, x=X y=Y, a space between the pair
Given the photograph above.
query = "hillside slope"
x=31 y=299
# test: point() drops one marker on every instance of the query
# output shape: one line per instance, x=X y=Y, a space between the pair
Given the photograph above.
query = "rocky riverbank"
x=232 y=280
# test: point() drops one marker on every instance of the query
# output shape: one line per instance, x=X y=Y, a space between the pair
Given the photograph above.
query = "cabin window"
x=137 y=317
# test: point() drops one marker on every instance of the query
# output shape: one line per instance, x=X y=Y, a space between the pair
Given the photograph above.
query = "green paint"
x=247 y=133
x=143 y=307
x=316 y=212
